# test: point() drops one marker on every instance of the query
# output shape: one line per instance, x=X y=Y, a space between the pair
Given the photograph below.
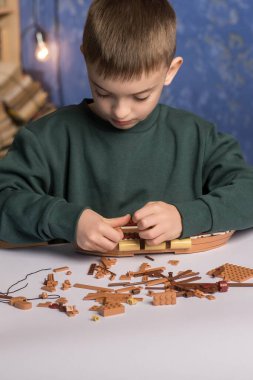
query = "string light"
x=41 y=51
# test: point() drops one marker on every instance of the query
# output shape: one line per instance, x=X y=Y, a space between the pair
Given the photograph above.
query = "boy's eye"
x=142 y=99
x=101 y=95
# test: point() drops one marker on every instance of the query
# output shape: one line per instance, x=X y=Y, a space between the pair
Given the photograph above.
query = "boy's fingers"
x=118 y=222
x=143 y=212
x=150 y=233
x=106 y=244
x=113 y=234
x=158 y=240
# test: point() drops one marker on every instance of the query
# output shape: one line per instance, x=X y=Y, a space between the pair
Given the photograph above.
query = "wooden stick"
x=90 y=287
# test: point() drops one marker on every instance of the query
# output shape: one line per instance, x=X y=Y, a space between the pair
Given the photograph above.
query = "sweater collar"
x=140 y=127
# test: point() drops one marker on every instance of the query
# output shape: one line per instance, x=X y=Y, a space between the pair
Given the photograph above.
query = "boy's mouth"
x=122 y=123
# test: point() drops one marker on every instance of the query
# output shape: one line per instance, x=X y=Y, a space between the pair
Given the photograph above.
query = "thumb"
x=120 y=221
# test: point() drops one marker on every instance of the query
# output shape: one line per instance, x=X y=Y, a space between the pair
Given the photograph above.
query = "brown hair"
x=125 y=38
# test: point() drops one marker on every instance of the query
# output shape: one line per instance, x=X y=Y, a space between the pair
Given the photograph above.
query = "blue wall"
x=215 y=37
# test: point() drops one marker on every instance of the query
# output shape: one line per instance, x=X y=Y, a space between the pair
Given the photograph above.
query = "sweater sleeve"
x=227 y=199
x=28 y=213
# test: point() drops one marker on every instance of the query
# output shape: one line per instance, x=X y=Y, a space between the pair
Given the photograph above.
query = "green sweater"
x=72 y=159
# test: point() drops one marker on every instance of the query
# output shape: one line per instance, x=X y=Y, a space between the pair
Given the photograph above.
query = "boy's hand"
x=158 y=222
x=95 y=233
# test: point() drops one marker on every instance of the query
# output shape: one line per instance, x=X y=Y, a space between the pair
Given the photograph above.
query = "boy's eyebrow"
x=137 y=93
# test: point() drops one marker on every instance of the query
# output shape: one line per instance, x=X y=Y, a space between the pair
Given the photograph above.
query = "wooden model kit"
x=132 y=244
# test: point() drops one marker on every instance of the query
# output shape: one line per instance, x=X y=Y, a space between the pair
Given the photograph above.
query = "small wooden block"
x=164 y=298
x=155 y=247
x=129 y=245
x=92 y=269
x=44 y=304
x=48 y=288
x=173 y=262
x=181 y=243
x=112 y=309
x=61 y=269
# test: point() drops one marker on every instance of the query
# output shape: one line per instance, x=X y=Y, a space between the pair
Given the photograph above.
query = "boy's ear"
x=81 y=48
x=172 y=72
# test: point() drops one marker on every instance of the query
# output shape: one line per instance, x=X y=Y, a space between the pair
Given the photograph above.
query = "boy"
x=82 y=172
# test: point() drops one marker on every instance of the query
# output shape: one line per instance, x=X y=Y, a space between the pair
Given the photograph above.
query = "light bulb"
x=41 y=51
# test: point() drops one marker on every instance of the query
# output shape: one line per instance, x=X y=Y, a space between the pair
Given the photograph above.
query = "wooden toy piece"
x=198 y=293
x=43 y=295
x=185 y=273
x=181 y=243
x=159 y=247
x=20 y=303
x=129 y=245
x=126 y=277
x=148 y=271
x=130 y=229
x=71 y=311
x=108 y=262
x=149 y=258
x=95 y=318
x=135 y=291
x=144 y=266
x=157 y=281
x=119 y=283
x=110 y=309
x=231 y=272
x=102 y=296
x=165 y=298
x=50 y=283
x=94 y=308
x=128 y=289
x=101 y=271
x=132 y=301
x=92 y=269
x=66 y=285
x=210 y=297
x=50 y=289
x=61 y=301
x=54 y=306
x=61 y=269
x=44 y=304
x=173 y=262
x=91 y=287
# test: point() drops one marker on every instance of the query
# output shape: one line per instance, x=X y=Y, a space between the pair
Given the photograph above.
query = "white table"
x=195 y=339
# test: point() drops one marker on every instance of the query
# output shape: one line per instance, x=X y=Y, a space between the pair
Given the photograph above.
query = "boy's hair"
x=125 y=38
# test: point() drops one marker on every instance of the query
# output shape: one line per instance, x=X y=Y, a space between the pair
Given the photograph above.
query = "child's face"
x=126 y=103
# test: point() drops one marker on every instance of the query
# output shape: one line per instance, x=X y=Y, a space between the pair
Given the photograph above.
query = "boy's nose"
x=120 y=111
